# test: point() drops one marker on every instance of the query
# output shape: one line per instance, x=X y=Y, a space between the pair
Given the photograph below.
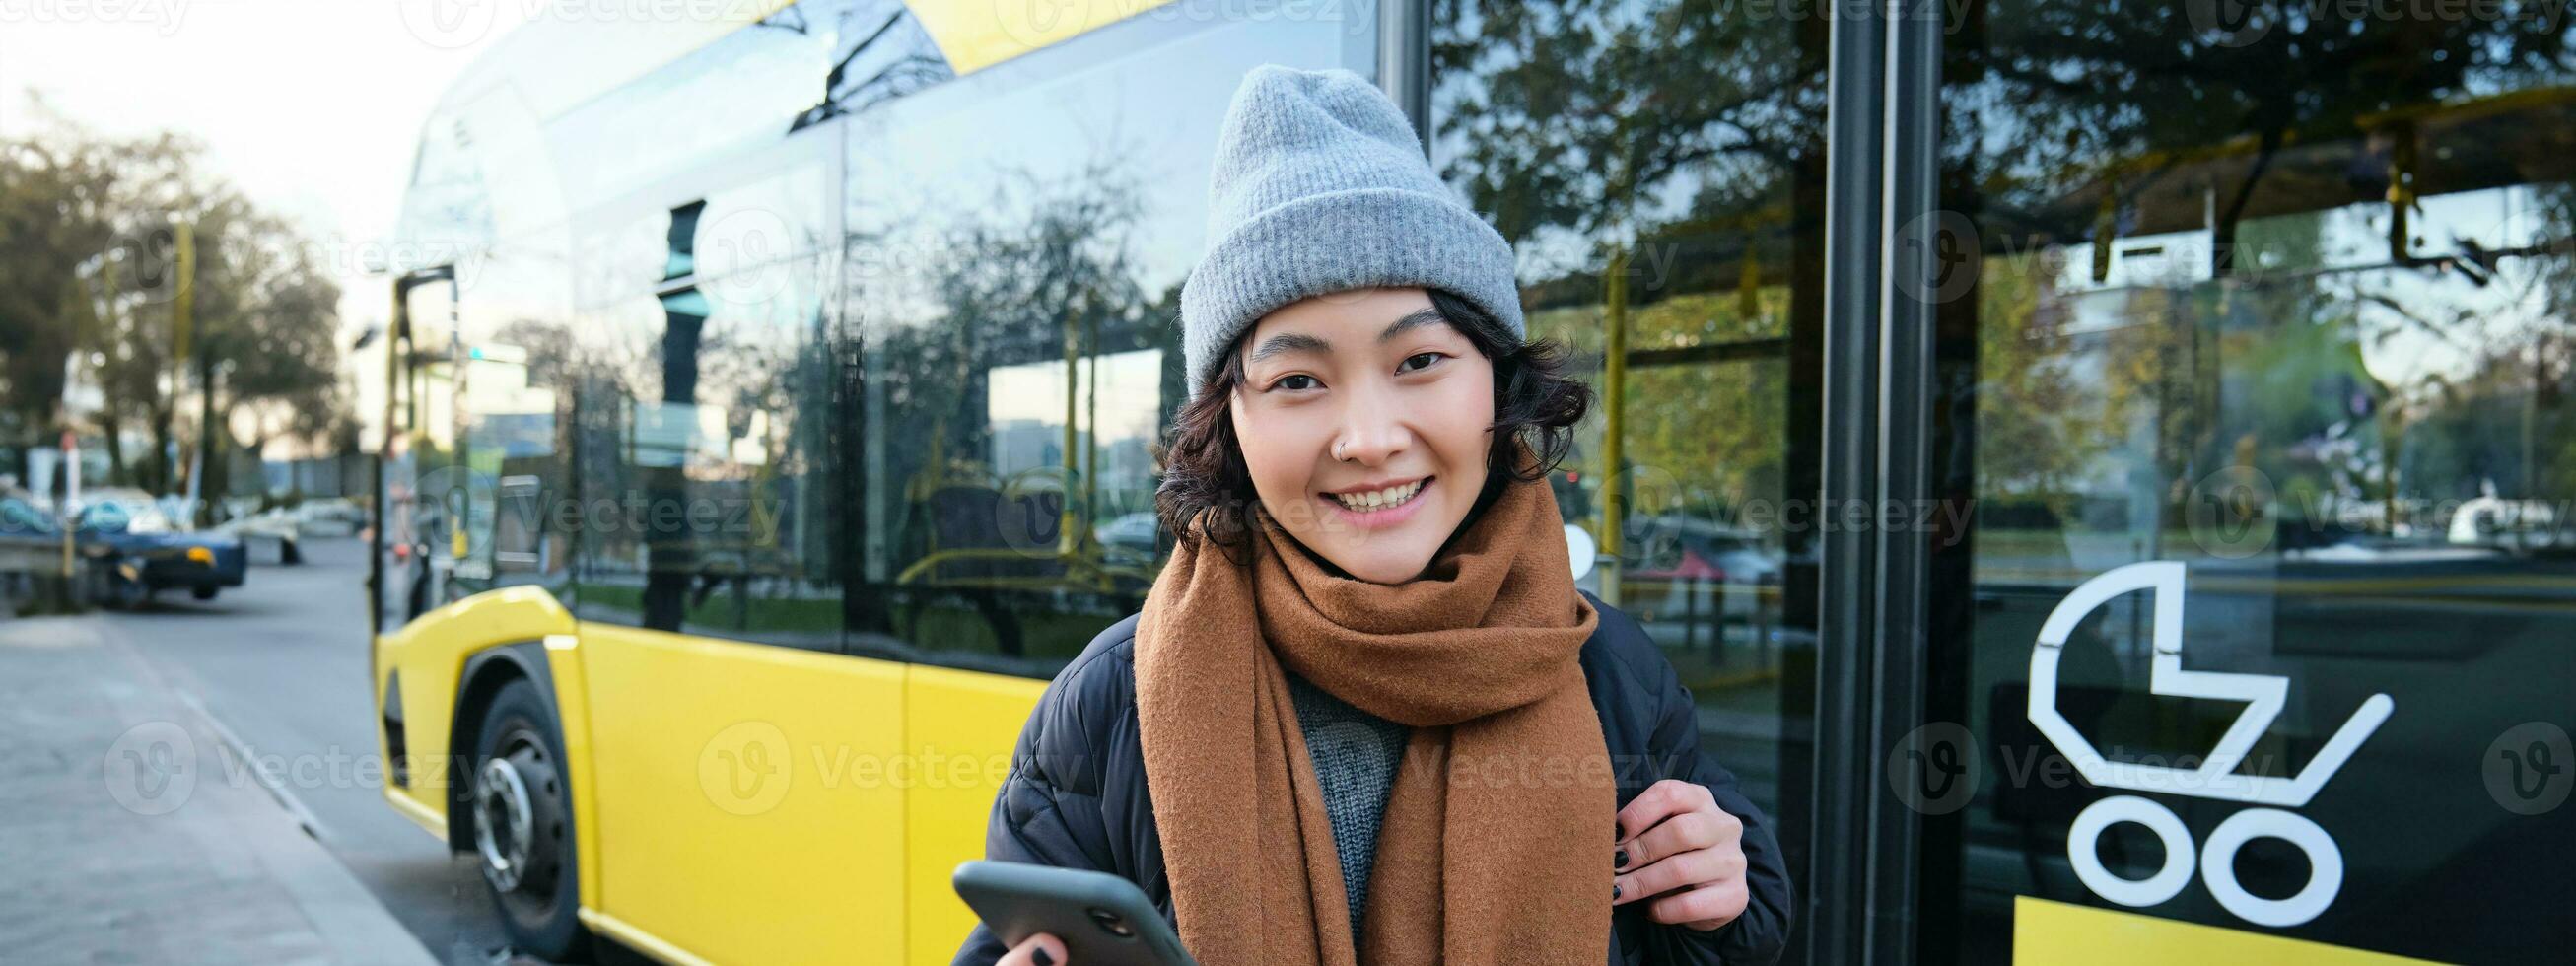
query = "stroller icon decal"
x=2263 y=696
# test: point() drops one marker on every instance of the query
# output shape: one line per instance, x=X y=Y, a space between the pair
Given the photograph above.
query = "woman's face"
x=1406 y=398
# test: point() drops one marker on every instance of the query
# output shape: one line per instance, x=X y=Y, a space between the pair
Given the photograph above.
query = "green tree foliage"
x=1664 y=143
x=57 y=208
x=89 y=275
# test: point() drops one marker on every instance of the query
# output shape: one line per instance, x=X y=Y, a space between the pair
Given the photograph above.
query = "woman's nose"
x=1371 y=435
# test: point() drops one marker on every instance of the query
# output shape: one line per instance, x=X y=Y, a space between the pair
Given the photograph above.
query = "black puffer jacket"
x=1076 y=793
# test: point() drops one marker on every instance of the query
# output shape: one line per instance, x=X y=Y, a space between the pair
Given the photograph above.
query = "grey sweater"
x=1355 y=755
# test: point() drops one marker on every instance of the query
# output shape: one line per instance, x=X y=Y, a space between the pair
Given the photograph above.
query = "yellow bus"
x=736 y=509
x=770 y=405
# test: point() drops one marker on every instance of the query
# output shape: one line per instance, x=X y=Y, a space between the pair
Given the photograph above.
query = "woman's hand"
x=1682 y=854
x=1038 y=950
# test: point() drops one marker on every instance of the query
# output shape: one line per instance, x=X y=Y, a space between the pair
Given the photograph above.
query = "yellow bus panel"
x=975 y=34
x=2049 y=932
x=736 y=814
x=962 y=726
x=431 y=653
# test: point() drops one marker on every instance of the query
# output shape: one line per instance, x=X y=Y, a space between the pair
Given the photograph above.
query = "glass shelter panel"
x=1660 y=169
x=2254 y=362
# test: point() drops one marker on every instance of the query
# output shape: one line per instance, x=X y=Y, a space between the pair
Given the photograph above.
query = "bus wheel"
x=523 y=825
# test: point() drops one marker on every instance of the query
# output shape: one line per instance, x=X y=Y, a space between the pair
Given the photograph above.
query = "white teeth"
x=1377 y=499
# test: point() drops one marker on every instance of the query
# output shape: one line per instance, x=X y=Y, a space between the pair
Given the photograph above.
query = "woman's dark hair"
x=1535 y=406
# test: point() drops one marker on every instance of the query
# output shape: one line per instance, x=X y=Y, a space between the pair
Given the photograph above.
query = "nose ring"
x=1337 y=451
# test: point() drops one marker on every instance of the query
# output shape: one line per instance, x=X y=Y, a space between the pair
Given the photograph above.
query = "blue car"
x=133 y=550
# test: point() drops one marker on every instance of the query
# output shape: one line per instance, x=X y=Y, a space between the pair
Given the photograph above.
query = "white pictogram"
x=2263 y=693
x=2216 y=778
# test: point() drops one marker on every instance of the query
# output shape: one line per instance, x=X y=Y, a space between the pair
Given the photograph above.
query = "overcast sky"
x=310 y=107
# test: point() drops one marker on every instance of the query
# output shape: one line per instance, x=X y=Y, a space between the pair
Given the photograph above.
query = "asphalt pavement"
x=279 y=666
x=132 y=830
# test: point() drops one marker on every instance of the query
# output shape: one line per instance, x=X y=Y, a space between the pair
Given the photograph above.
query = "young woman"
x=1365 y=715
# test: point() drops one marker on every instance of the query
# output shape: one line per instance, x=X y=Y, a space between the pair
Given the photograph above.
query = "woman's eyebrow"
x=1419 y=318
x=1301 y=342
x=1288 y=342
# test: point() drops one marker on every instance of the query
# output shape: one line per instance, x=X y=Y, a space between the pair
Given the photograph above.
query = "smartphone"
x=1102 y=919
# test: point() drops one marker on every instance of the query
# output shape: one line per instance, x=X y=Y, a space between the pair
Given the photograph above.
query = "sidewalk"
x=130 y=834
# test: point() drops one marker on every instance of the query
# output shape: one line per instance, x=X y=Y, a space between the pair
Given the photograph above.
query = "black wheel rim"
x=520 y=824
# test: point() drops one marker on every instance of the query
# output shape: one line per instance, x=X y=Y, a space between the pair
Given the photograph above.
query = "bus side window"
x=706 y=460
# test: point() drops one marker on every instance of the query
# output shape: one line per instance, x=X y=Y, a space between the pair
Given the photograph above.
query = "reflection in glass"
x=1660 y=171
x=2307 y=335
x=703 y=468
x=1016 y=243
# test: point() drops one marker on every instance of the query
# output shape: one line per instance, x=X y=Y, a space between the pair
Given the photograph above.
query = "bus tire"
x=521 y=805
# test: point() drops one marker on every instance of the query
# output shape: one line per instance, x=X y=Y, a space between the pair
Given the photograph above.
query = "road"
x=281 y=663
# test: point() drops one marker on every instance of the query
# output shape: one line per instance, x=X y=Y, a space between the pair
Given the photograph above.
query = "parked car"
x=1689 y=565
x=329 y=516
x=1130 y=537
x=136 y=550
x=277 y=525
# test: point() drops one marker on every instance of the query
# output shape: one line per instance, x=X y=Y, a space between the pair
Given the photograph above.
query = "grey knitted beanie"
x=1321 y=187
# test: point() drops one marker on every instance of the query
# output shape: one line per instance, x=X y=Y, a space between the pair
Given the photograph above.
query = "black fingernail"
x=1040 y=957
x=1619 y=861
x=1614 y=893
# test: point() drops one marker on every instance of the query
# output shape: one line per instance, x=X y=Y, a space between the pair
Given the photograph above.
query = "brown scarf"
x=1491 y=848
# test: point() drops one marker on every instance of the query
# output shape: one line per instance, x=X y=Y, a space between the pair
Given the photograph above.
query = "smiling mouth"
x=1381 y=500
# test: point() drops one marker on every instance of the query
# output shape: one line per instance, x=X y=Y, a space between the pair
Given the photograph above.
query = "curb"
x=276 y=839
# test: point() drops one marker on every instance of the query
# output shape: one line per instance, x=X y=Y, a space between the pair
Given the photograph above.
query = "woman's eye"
x=1284 y=380
x=1424 y=355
